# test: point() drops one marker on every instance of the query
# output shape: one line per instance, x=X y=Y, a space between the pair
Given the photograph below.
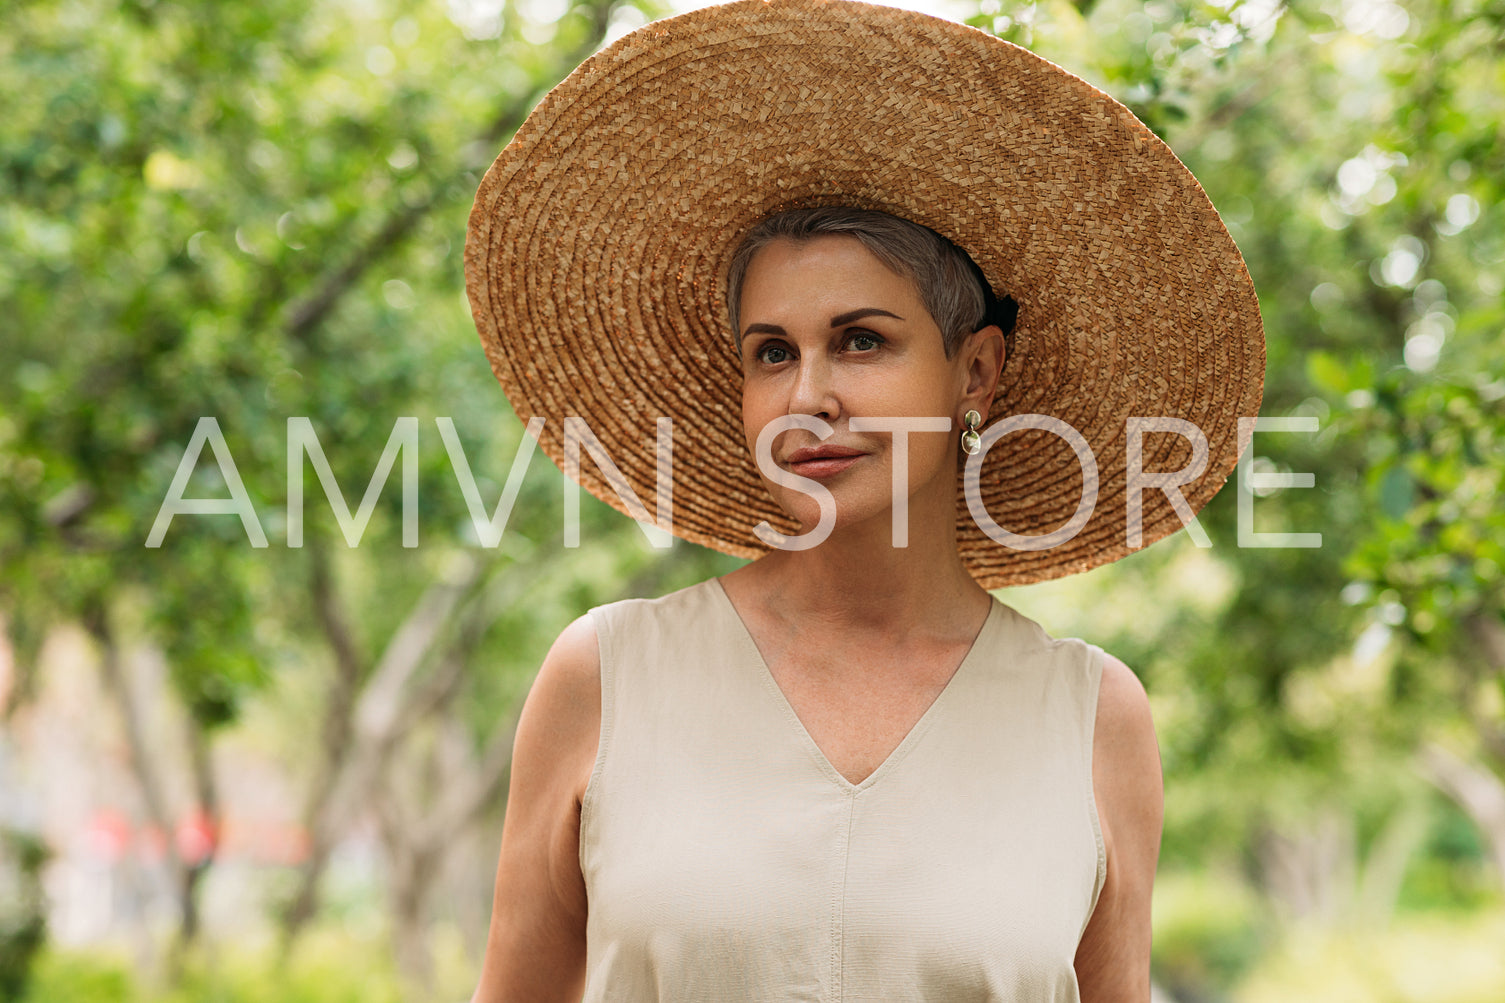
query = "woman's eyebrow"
x=837 y=321
x=867 y=311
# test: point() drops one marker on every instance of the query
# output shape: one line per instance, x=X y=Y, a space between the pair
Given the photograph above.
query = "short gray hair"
x=950 y=284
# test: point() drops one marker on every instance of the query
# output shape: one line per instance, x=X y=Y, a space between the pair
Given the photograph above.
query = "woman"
x=845 y=771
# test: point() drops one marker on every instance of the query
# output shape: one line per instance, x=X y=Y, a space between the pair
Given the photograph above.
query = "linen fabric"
x=725 y=858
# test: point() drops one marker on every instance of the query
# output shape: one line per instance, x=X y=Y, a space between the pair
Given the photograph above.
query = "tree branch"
x=363 y=717
x=1476 y=790
x=118 y=687
x=1488 y=632
x=463 y=800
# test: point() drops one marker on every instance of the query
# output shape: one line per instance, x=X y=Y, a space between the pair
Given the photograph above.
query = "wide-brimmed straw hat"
x=597 y=253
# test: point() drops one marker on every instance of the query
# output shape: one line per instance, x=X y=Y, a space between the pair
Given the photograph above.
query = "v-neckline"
x=898 y=752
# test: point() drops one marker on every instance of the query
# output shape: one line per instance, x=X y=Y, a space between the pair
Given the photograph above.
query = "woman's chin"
x=851 y=513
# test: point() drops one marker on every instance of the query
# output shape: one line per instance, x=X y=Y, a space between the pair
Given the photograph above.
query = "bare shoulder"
x=1113 y=958
x=1126 y=773
x=561 y=718
x=1124 y=731
x=572 y=667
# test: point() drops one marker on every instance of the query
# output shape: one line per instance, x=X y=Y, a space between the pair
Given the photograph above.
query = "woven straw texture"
x=597 y=250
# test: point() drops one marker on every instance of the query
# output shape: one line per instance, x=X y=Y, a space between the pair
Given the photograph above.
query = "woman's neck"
x=857 y=582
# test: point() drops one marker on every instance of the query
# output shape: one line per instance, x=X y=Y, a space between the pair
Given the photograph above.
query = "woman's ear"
x=985 y=357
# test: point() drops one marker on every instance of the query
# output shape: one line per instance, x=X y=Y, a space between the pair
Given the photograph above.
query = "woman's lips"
x=824 y=466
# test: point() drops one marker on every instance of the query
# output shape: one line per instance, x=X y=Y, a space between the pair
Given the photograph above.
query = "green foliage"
x=334 y=969
x=1210 y=930
x=1425 y=959
x=1438 y=545
x=23 y=918
x=252 y=213
x=90 y=978
x=1353 y=153
x=257 y=212
x=1450 y=874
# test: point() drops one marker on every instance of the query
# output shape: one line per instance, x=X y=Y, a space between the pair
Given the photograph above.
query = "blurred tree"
x=257 y=213
x=1353 y=150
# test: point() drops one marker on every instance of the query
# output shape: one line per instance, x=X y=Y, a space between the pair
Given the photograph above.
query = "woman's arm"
x=1113 y=958
x=536 y=948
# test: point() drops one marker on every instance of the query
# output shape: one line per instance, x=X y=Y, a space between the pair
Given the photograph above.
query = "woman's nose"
x=813 y=393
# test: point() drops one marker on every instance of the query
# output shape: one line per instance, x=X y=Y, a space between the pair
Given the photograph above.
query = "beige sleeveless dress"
x=726 y=859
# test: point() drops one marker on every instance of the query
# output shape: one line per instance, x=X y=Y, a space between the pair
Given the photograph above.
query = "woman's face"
x=830 y=331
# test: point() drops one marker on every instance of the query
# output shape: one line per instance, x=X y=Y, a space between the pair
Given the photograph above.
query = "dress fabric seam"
x=838 y=907
x=1095 y=660
x=607 y=674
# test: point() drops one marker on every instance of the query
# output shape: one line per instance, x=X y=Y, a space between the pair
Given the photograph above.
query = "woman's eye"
x=862 y=341
x=772 y=354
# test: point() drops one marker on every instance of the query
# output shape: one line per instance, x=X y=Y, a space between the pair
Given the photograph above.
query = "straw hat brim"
x=598 y=245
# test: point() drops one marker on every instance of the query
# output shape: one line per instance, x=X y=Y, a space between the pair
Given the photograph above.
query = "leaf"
x=1397 y=493
x=1326 y=373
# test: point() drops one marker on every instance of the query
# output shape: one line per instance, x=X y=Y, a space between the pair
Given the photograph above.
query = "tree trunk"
x=369 y=712
x=433 y=793
x=300 y=321
x=185 y=876
x=334 y=743
x=192 y=872
x=1476 y=790
x=1309 y=872
x=412 y=869
x=1385 y=865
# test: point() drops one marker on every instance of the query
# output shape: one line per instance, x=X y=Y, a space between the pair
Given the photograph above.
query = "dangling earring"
x=971 y=441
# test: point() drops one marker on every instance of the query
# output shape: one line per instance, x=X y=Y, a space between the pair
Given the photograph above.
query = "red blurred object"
x=109 y=834
x=196 y=837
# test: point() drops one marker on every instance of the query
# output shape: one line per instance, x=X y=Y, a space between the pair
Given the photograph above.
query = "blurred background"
x=236 y=770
